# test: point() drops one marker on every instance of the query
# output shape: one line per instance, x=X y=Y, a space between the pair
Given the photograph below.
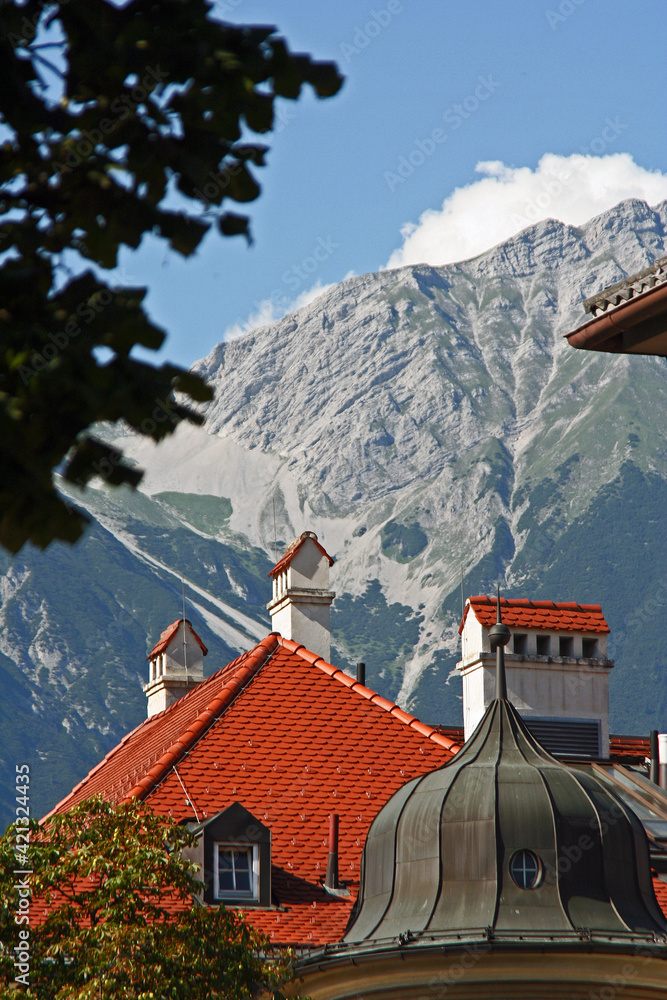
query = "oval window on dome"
x=526 y=869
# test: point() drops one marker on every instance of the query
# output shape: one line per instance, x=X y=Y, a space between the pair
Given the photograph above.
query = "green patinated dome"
x=508 y=842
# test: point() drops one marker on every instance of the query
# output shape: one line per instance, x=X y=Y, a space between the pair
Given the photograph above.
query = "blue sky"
x=433 y=89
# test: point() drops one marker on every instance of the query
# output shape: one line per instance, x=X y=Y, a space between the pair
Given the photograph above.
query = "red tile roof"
x=660 y=889
x=563 y=616
x=292 y=550
x=629 y=749
x=293 y=739
x=623 y=749
x=168 y=635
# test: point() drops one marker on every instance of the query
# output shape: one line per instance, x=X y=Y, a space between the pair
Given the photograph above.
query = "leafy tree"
x=120 y=917
x=116 y=121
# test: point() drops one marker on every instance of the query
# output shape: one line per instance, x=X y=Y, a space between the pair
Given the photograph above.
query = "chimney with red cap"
x=301 y=604
x=557 y=670
x=175 y=665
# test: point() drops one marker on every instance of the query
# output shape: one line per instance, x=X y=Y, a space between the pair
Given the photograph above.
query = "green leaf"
x=146 y=97
x=234 y=225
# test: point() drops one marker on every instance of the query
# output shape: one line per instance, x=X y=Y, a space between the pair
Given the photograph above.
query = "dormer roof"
x=563 y=616
x=168 y=635
x=292 y=550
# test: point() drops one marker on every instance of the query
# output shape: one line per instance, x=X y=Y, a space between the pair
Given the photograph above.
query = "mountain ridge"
x=426 y=422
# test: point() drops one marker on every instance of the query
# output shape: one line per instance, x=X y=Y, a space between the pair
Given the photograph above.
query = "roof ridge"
x=527 y=602
x=251 y=663
x=242 y=665
x=527 y=613
x=365 y=692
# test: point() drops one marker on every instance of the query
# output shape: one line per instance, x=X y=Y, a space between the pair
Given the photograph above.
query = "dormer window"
x=236 y=871
x=589 y=648
x=236 y=859
x=566 y=645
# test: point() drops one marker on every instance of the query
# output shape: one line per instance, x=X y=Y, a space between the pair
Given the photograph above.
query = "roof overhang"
x=638 y=326
x=549 y=965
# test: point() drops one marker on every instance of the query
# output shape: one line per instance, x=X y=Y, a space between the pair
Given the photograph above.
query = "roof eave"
x=628 y=328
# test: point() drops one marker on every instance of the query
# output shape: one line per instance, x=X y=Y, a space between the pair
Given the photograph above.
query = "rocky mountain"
x=431 y=424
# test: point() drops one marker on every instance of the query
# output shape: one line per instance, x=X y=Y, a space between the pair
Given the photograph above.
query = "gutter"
x=619 y=319
x=339 y=955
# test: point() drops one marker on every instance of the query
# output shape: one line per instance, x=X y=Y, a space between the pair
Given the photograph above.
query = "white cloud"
x=308 y=296
x=266 y=312
x=274 y=308
x=506 y=199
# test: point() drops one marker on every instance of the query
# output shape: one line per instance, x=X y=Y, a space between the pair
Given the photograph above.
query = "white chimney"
x=301 y=604
x=662 y=759
x=557 y=670
x=175 y=665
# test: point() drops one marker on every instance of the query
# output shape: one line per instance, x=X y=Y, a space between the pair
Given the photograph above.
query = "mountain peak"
x=427 y=423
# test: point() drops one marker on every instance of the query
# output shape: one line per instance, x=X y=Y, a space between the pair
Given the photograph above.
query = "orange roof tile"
x=623 y=749
x=293 y=739
x=168 y=635
x=292 y=550
x=635 y=748
x=660 y=889
x=565 y=616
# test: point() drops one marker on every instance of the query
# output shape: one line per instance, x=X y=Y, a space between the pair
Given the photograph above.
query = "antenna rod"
x=275 y=536
x=499 y=636
x=185 y=645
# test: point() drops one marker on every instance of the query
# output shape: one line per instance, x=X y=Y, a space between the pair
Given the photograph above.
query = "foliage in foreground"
x=111 y=914
x=116 y=121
